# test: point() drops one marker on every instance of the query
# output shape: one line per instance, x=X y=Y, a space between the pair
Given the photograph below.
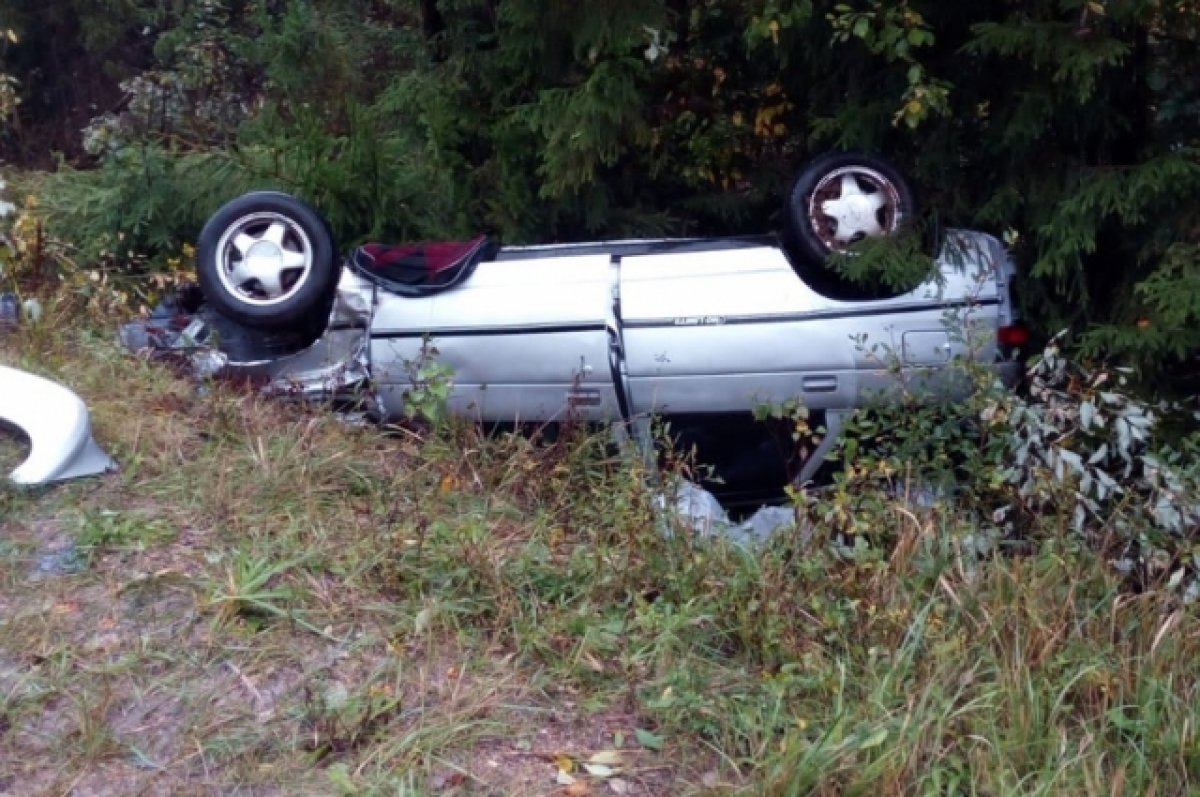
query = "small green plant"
x=338 y=720
x=93 y=734
x=252 y=589
x=431 y=382
x=112 y=529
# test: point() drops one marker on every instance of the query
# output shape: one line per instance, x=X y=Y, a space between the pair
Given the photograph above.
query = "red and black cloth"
x=419 y=269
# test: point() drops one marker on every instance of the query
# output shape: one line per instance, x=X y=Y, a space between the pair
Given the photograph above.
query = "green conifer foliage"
x=1071 y=127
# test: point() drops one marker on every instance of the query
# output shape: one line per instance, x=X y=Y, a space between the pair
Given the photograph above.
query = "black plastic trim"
x=482 y=332
x=619 y=249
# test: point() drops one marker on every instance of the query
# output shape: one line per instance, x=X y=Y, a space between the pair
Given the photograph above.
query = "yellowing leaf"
x=564 y=763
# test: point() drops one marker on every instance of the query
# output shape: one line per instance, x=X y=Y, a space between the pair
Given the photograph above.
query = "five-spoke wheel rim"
x=853 y=203
x=264 y=258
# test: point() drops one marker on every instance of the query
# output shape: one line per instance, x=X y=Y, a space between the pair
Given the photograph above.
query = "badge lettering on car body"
x=699 y=321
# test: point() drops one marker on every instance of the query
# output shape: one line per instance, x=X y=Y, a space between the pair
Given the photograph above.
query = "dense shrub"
x=1073 y=455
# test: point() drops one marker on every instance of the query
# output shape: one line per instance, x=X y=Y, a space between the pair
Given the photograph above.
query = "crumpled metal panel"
x=58 y=426
x=353 y=303
x=336 y=361
x=215 y=346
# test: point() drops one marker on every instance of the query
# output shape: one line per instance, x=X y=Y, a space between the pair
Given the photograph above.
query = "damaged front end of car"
x=323 y=361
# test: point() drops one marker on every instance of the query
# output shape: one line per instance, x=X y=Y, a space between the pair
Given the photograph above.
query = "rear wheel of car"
x=842 y=198
x=267 y=260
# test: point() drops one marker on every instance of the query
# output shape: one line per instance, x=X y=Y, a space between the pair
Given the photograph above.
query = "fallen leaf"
x=563 y=779
x=599 y=770
x=421 y=621
x=611 y=758
x=875 y=739
x=651 y=741
x=578 y=789
x=564 y=763
x=619 y=786
x=336 y=696
x=447 y=780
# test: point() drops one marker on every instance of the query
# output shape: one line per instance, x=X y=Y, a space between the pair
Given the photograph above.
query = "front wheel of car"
x=842 y=198
x=267 y=260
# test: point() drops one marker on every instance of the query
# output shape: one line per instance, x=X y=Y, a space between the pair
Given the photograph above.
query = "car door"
x=732 y=328
x=524 y=340
x=726 y=330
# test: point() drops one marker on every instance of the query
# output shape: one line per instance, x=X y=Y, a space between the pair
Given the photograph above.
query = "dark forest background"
x=1071 y=129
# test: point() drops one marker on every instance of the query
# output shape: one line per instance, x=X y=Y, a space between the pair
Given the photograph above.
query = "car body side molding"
x=58 y=426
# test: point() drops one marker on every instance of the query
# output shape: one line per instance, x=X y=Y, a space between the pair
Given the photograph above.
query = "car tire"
x=267 y=260
x=842 y=197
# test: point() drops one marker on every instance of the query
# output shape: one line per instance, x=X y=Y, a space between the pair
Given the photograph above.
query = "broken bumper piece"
x=58 y=426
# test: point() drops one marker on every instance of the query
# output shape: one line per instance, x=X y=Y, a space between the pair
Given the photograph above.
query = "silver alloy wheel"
x=852 y=203
x=264 y=258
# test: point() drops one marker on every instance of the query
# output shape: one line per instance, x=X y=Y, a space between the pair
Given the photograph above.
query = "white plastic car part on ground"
x=58 y=426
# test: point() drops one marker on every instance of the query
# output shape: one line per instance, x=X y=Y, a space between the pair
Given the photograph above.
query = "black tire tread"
x=798 y=232
x=313 y=297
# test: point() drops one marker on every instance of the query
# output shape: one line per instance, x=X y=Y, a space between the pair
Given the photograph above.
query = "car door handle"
x=584 y=397
x=819 y=384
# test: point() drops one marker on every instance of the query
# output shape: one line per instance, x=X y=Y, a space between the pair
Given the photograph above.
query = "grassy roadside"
x=266 y=601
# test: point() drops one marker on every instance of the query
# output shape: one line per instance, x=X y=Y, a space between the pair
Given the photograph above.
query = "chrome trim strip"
x=811 y=315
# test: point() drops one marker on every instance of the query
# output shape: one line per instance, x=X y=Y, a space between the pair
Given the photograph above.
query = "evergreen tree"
x=1071 y=127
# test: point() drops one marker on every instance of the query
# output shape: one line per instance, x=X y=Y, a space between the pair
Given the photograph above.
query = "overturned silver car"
x=607 y=331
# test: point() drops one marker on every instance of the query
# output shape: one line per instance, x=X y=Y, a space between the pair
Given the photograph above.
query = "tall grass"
x=275 y=601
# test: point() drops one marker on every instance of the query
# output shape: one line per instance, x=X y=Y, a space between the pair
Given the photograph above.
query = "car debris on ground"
x=54 y=419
